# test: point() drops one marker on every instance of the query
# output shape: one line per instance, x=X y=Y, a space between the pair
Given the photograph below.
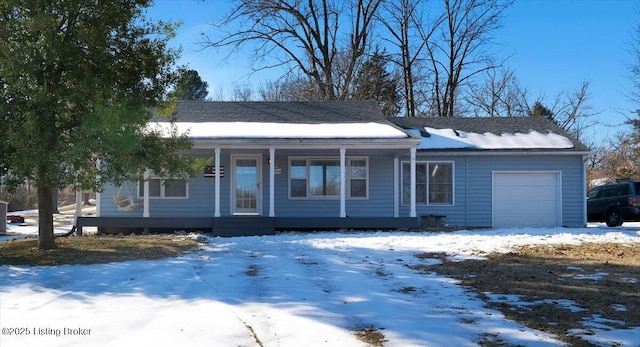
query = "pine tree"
x=373 y=81
x=190 y=86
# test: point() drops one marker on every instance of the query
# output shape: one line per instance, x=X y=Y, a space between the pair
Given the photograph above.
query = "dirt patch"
x=554 y=288
x=371 y=336
x=95 y=249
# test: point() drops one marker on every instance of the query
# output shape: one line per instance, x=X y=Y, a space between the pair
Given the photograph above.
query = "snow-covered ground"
x=286 y=290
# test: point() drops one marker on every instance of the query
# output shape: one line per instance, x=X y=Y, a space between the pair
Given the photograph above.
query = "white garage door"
x=526 y=199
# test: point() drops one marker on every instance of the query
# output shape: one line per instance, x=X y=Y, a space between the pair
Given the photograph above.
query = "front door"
x=246 y=186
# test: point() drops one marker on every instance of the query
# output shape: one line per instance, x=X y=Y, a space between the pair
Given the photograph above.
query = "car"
x=614 y=203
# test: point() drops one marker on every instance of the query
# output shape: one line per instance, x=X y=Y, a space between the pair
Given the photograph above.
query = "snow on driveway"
x=285 y=290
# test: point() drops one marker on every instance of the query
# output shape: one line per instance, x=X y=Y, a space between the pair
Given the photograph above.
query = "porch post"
x=396 y=188
x=412 y=212
x=343 y=186
x=272 y=177
x=78 y=205
x=145 y=211
x=217 y=182
x=98 y=194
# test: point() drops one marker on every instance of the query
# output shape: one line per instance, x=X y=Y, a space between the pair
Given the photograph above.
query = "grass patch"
x=600 y=278
x=371 y=336
x=94 y=249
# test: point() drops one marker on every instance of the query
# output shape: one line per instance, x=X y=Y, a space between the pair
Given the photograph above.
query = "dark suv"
x=614 y=203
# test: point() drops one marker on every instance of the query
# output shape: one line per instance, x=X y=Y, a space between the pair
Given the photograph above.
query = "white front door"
x=245 y=189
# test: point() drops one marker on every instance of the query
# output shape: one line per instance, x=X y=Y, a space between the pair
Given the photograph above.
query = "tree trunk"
x=46 y=238
x=54 y=201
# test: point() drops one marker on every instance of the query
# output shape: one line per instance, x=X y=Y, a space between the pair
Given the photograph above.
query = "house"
x=342 y=164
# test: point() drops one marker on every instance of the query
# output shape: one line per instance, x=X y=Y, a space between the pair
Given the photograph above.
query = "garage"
x=526 y=199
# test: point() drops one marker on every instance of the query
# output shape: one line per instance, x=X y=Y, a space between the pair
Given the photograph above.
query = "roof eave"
x=407 y=142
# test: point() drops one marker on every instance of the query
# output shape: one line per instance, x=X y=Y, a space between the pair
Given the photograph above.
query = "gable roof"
x=490 y=133
x=281 y=121
x=302 y=112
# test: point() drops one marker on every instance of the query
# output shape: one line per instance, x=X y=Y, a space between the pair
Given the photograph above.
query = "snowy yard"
x=285 y=290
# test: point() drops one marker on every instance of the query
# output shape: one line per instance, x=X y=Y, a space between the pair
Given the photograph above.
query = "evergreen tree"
x=373 y=81
x=77 y=81
x=539 y=110
x=190 y=86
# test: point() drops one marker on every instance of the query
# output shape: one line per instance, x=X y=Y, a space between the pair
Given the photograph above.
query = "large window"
x=165 y=188
x=434 y=183
x=320 y=177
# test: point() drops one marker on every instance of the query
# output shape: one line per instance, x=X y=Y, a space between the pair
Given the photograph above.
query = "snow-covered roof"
x=455 y=139
x=515 y=133
x=256 y=130
x=357 y=120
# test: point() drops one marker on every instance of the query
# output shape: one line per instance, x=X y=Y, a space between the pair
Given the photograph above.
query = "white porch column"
x=412 y=212
x=217 y=183
x=272 y=184
x=78 y=205
x=98 y=194
x=343 y=186
x=396 y=187
x=145 y=211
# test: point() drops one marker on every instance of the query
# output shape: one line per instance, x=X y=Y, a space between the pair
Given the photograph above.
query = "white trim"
x=519 y=153
x=412 y=189
x=162 y=188
x=272 y=178
x=216 y=212
x=145 y=208
x=304 y=143
x=98 y=194
x=343 y=172
x=234 y=158
x=396 y=187
x=427 y=163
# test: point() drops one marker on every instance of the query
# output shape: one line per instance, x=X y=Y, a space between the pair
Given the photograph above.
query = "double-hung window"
x=319 y=177
x=177 y=188
x=434 y=183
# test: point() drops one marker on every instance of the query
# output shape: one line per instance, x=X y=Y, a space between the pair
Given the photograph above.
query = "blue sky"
x=553 y=46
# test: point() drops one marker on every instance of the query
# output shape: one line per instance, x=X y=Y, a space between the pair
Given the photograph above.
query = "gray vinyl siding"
x=473 y=186
x=379 y=202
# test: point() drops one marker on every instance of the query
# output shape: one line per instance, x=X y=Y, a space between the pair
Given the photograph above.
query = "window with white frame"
x=319 y=177
x=175 y=188
x=434 y=183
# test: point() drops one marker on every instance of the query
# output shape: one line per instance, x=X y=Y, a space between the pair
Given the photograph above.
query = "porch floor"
x=241 y=225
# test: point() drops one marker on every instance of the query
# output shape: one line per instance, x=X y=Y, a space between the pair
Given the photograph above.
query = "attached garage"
x=526 y=199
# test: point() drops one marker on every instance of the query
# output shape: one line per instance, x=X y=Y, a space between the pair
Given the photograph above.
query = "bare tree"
x=289 y=89
x=500 y=95
x=242 y=93
x=323 y=39
x=458 y=49
x=402 y=19
x=573 y=113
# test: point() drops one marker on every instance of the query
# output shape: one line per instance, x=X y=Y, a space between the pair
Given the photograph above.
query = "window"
x=434 y=183
x=320 y=177
x=164 y=188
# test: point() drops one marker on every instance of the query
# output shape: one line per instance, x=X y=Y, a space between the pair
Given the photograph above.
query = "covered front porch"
x=240 y=225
